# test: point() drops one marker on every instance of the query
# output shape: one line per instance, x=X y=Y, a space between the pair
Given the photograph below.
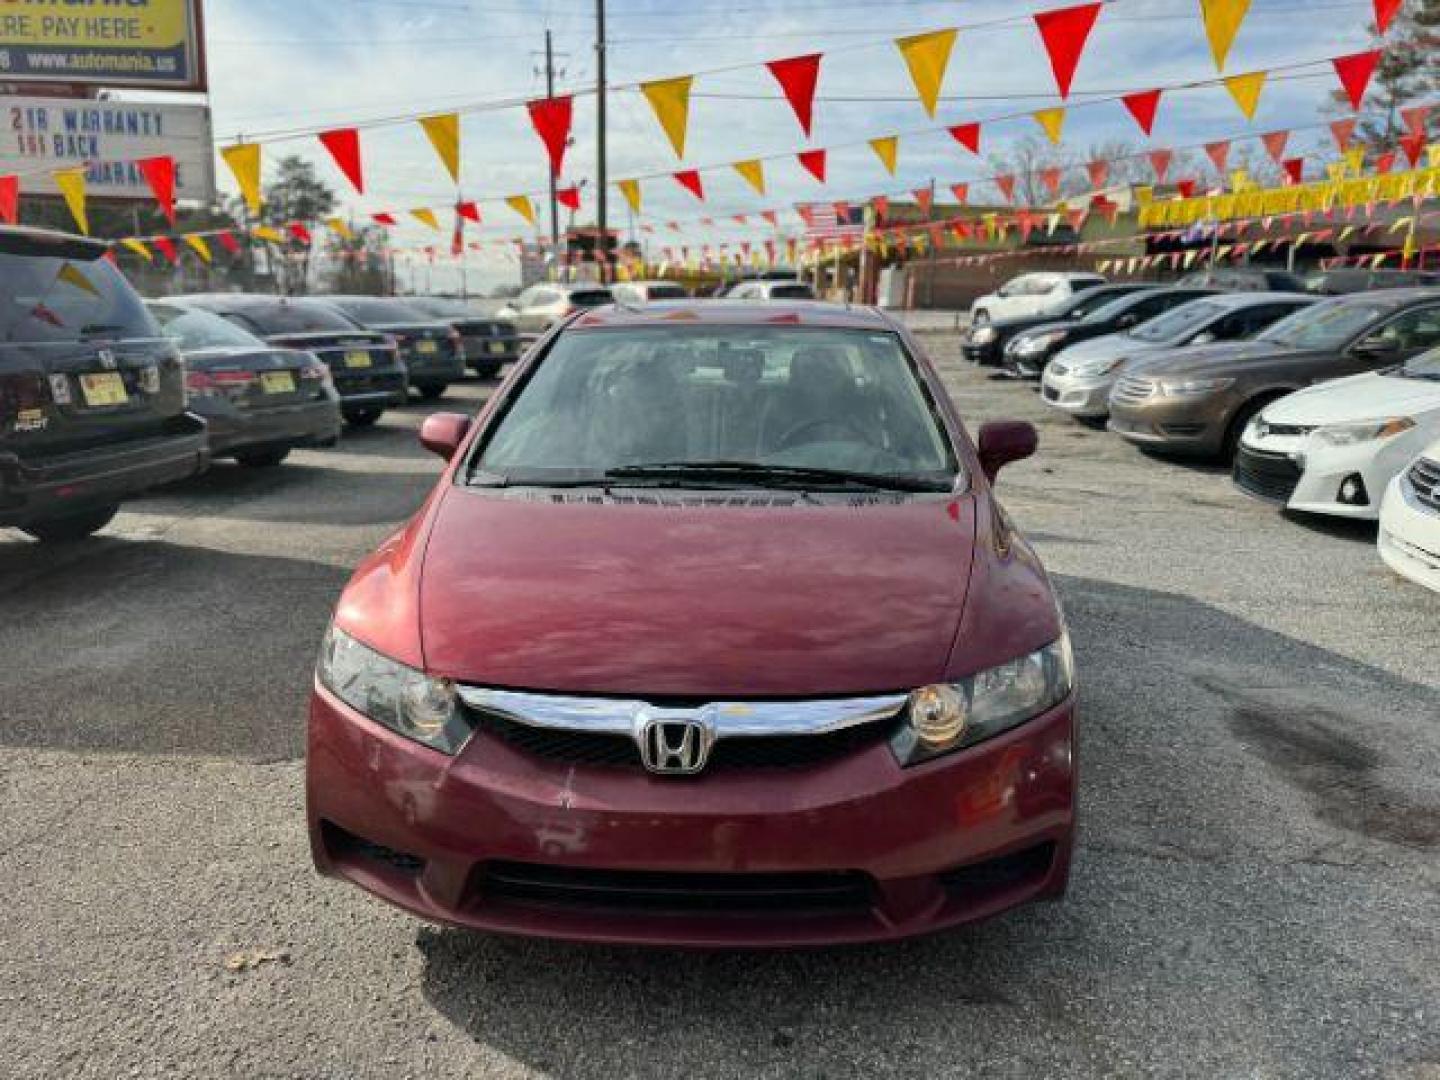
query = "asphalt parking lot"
x=1257 y=892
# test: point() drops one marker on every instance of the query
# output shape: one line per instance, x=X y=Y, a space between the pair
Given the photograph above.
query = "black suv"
x=92 y=395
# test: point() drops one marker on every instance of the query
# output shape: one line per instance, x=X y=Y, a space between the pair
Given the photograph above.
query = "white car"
x=1349 y=438
x=1410 y=521
x=1030 y=294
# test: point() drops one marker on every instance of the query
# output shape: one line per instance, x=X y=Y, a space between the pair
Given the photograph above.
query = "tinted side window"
x=1414 y=330
x=52 y=298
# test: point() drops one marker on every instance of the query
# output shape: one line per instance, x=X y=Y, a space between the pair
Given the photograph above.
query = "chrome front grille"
x=1424 y=477
x=1133 y=390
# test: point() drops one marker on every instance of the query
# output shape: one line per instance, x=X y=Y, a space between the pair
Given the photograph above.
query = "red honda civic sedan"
x=711 y=634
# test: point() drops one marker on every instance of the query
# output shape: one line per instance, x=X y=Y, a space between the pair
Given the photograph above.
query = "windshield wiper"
x=760 y=473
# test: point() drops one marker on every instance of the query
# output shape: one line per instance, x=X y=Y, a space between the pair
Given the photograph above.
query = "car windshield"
x=1424 y=366
x=286 y=318
x=1174 y=325
x=733 y=406
x=52 y=298
x=1113 y=308
x=442 y=308
x=590 y=297
x=1324 y=326
x=196 y=329
x=377 y=310
x=1084 y=304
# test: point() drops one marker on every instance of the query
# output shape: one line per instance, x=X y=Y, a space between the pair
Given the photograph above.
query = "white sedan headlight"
x=945 y=718
x=1032 y=344
x=1365 y=431
x=394 y=695
x=983 y=335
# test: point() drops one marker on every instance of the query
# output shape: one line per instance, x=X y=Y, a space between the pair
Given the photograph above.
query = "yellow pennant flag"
x=444 y=133
x=927 y=56
x=1144 y=195
x=753 y=172
x=265 y=232
x=1355 y=159
x=72 y=275
x=244 y=162
x=138 y=247
x=426 y=217
x=887 y=150
x=1052 y=121
x=670 y=98
x=1245 y=89
x=71 y=183
x=1222 y=22
x=1239 y=180
x=1432 y=155
x=631 y=190
x=522 y=205
x=339 y=227
x=199 y=245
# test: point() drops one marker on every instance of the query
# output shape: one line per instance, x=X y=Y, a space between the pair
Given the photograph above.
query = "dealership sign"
x=152 y=43
x=106 y=138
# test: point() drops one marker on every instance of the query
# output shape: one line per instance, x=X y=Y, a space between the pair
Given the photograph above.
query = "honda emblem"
x=674 y=747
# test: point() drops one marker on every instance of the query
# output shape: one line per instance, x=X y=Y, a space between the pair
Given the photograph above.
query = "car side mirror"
x=442 y=433
x=1004 y=441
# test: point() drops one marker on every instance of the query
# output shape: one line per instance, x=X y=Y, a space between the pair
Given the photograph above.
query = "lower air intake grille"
x=1268 y=476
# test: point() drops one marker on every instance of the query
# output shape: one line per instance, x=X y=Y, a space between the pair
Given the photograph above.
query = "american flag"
x=832 y=221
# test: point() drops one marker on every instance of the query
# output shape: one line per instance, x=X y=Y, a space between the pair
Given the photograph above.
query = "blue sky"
x=280 y=65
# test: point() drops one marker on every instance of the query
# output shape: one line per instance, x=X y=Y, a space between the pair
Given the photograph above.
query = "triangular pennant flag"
x=1219 y=154
x=244 y=162
x=670 y=98
x=260 y=232
x=689 y=179
x=1160 y=162
x=469 y=211
x=139 y=248
x=569 y=198
x=1245 y=89
x=1052 y=121
x=1099 y=173
x=1414 y=147
x=522 y=205
x=199 y=246
x=925 y=199
x=1354 y=72
x=159 y=173
x=1385 y=11
x=340 y=227
x=961 y=193
x=813 y=162
x=298 y=232
x=166 y=247
x=1343 y=131
x=387 y=220
x=71 y=183
x=444 y=133
x=1006 y=184
x=1050 y=177
x=1186 y=188
x=344 y=147
x=887 y=150
x=9 y=199
x=1275 y=142
x=1294 y=168
x=1355 y=159
x=927 y=56
x=551 y=118
x=771 y=217
x=426 y=217
x=882 y=207
x=797 y=77
x=1222 y=22
x=1142 y=106
x=1416 y=118
x=631 y=190
x=753 y=173
x=1064 y=32
x=968 y=136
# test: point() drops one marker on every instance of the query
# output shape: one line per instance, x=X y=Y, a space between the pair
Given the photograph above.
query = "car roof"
x=1255 y=299
x=23 y=240
x=736 y=313
x=233 y=301
x=1394 y=298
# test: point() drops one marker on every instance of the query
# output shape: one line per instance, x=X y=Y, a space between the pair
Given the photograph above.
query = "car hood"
x=1359 y=397
x=672 y=597
x=1107 y=347
x=1221 y=358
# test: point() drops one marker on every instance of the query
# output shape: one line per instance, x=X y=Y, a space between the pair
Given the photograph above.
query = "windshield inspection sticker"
x=31 y=420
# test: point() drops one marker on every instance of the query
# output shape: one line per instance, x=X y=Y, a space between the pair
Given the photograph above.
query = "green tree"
x=1408 y=73
x=359 y=263
x=295 y=195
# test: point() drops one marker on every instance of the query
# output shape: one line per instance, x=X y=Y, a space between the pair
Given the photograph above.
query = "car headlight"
x=1091 y=368
x=1366 y=431
x=945 y=718
x=1038 y=343
x=1195 y=387
x=394 y=695
x=983 y=336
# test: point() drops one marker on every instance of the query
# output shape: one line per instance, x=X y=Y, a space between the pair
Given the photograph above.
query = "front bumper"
x=987 y=354
x=1180 y=425
x=373 y=388
x=1409 y=540
x=1088 y=398
x=919 y=849
x=309 y=423
x=1322 y=470
x=40 y=489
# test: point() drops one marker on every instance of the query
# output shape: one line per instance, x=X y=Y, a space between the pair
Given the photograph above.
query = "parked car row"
x=1321 y=405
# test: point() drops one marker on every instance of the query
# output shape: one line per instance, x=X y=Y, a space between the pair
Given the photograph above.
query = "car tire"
x=71 y=527
x=263 y=459
x=362 y=417
x=430 y=391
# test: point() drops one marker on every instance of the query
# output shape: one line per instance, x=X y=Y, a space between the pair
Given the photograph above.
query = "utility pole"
x=601 y=181
x=550 y=93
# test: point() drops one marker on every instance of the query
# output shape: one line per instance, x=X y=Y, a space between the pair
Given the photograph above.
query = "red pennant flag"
x=167 y=248
x=1385 y=162
x=1099 y=173
x=551 y=118
x=961 y=193
x=1142 y=106
x=1051 y=179
x=1006 y=184
x=1416 y=118
x=925 y=199
x=227 y=240
x=689 y=179
x=1076 y=219
x=1343 y=131
x=1275 y=145
x=1354 y=72
x=1160 y=162
x=9 y=199
x=814 y=163
x=469 y=211
x=1219 y=153
x=344 y=147
x=1414 y=147
x=569 y=198
x=882 y=207
x=159 y=173
x=1064 y=32
x=1186 y=188
x=797 y=77
x=384 y=219
x=740 y=219
x=968 y=136
x=771 y=217
x=300 y=233
x=1294 y=168
x=1384 y=12
x=842 y=211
